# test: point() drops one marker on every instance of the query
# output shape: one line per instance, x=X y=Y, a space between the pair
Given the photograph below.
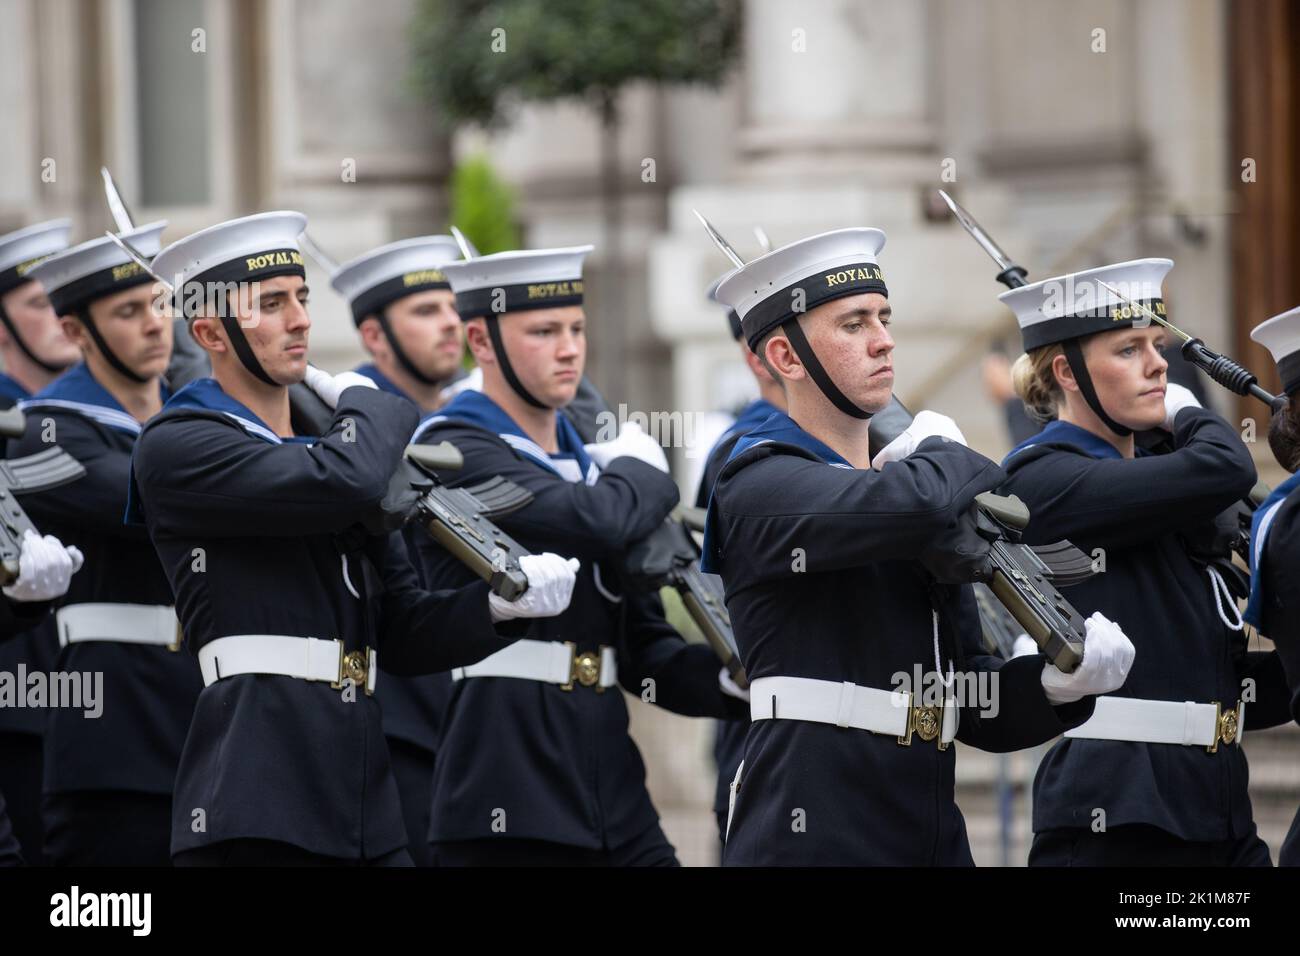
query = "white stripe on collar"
x=424 y=426
x=1262 y=535
x=527 y=447
x=255 y=429
x=833 y=464
x=105 y=416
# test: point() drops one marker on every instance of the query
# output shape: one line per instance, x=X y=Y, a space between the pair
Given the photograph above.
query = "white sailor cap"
x=733 y=319
x=89 y=271
x=384 y=275
x=1281 y=336
x=239 y=250
x=21 y=250
x=1071 y=306
x=793 y=279
x=519 y=280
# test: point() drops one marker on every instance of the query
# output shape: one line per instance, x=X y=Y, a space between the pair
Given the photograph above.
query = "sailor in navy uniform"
x=1157 y=776
x=1274 y=605
x=35 y=352
x=288 y=602
x=405 y=312
x=45 y=567
x=729 y=739
x=108 y=781
x=535 y=765
x=827 y=558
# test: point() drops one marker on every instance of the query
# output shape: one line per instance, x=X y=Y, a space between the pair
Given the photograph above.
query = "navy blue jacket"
x=32 y=645
x=1276 y=599
x=1137 y=511
x=275 y=522
x=148 y=691
x=413 y=707
x=560 y=764
x=823 y=582
x=729 y=738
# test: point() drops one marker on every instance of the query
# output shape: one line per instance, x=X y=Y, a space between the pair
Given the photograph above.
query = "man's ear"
x=782 y=359
x=371 y=333
x=205 y=330
x=479 y=342
x=75 y=331
x=1063 y=374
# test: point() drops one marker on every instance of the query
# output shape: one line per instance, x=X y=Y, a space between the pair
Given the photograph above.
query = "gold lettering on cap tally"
x=126 y=271
x=555 y=290
x=269 y=260
x=24 y=267
x=856 y=274
x=1122 y=313
x=422 y=277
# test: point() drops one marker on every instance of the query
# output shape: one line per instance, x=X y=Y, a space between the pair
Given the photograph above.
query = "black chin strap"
x=22 y=346
x=122 y=368
x=1074 y=355
x=242 y=349
x=507 y=370
x=803 y=348
x=399 y=353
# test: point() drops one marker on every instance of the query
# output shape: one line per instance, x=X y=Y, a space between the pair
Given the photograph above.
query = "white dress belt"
x=552 y=662
x=154 y=624
x=307 y=658
x=846 y=704
x=1162 y=722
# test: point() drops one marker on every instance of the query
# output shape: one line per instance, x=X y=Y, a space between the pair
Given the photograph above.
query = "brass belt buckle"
x=584 y=668
x=176 y=644
x=1225 y=727
x=354 y=666
x=925 y=721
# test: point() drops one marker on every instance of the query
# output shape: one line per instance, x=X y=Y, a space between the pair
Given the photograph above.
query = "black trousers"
x=107 y=828
x=651 y=848
x=413 y=768
x=1141 y=845
x=247 y=852
x=22 y=757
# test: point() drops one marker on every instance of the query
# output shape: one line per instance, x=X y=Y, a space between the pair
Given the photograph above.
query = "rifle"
x=1024 y=580
x=669 y=556
x=39 y=472
x=459 y=519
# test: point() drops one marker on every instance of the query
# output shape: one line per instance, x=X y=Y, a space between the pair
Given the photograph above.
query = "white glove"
x=927 y=424
x=550 y=586
x=1177 y=398
x=1107 y=656
x=330 y=387
x=730 y=687
x=632 y=442
x=45 y=568
x=1023 y=646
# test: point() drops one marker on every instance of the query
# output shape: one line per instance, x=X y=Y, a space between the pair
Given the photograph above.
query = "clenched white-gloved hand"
x=1177 y=397
x=925 y=425
x=330 y=387
x=45 y=568
x=632 y=442
x=550 y=586
x=1107 y=656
